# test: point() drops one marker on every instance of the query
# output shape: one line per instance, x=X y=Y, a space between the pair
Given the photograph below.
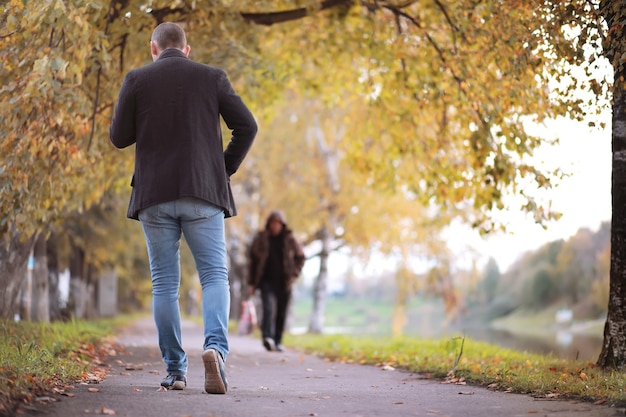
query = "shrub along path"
x=285 y=384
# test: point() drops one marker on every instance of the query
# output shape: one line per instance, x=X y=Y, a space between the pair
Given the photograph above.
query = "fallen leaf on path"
x=466 y=393
x=43 y=399
x=161 y=388
x=107 y=411
x=91 y=378
x=154 y=371
x=93 y=389
x=399 y=402
x=455 y=381
x=388 y=368
x=136 y=389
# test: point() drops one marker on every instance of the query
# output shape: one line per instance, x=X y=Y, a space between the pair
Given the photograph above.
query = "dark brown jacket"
x=293 y=258
x=171 y=109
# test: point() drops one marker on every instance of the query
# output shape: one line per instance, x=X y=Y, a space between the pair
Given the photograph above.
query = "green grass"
x=38 y=357
x=460 y=359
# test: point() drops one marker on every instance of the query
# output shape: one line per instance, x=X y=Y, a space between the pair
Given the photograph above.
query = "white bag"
x=247 y=320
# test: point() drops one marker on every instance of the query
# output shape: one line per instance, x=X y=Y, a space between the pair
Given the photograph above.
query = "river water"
x=561 y=343
x=572 y=341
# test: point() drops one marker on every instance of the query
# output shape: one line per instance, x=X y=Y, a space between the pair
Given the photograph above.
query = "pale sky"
x=584 y=198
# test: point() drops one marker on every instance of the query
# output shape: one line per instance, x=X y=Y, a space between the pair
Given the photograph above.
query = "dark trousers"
x=275 y=303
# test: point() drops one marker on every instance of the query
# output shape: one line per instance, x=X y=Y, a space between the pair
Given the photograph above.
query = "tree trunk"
x=613 y=354
x=54 y=292
x=316 y=324
x=327 y=233
x=13 y=269
x=40 y=303
x=26 y=292
x=79 y=290
x=91 y=302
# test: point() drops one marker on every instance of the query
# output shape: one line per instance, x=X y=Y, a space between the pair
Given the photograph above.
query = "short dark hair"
x=169 y=35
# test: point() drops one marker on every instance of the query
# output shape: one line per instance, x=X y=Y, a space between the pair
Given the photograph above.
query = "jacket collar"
x=172 y=53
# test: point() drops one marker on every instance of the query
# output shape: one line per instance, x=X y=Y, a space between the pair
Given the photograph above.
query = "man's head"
x=168 y=35
x=276 y=222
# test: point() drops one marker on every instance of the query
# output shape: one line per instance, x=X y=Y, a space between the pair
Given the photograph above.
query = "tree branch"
x=114 y=12
x=269 y=18
x=455 y=28
x=160 y=14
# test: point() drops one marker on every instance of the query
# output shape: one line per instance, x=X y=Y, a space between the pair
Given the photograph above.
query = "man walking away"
x=171 y=110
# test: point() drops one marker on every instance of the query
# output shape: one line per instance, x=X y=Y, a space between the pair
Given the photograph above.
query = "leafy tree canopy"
x=448 y=84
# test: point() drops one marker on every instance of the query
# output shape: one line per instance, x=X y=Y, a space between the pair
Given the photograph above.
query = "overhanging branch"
x=270 y=18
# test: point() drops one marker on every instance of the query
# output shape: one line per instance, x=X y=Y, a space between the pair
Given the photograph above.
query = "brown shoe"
x=214 y=373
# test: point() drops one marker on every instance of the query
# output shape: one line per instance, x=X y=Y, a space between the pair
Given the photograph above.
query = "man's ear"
x=154 y=50
x=186 y=50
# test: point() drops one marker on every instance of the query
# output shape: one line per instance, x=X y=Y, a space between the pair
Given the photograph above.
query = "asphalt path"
x=286 y=384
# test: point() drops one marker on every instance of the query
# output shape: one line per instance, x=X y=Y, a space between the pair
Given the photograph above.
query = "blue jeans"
x=202 y=225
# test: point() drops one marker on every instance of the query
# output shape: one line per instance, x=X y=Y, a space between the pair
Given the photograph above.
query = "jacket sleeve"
x=299 y=257
x=239 y=120
x=122 y=131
